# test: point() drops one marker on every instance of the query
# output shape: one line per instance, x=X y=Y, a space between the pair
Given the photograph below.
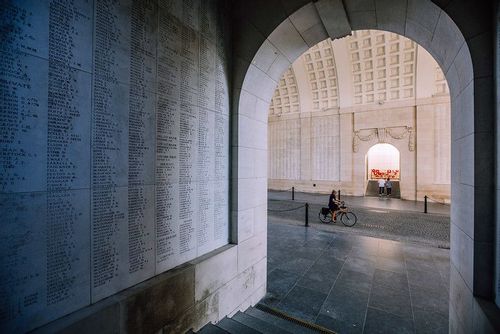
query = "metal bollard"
x=307 y=214
x=339 y=195
x=293 y=193
x=425 y=204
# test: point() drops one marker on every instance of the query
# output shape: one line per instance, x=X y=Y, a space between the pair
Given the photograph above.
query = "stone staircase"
x=262 y=319
x=372 y=189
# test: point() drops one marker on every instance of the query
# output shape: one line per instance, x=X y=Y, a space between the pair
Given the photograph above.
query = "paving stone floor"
x=393 y=219
x=357 y=284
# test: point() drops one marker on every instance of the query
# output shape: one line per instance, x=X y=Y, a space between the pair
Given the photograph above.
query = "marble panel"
x=305 y=17
x=360 y=20
x=251 y=251
x=144 y=27
x=463 y=65
x=391 y=15
x=278 y=67
x=213 y=273
x=112 y=47
x=241 y=287
x=221 y=213
x=245 y=163
x=110 y=122
x=45 y=257
x=446 y=42
x=167 y=226
x=24 y=27
x=461 y=302
x=111 y=217
x=205 y=221
x=466 y=163
x=188 y=217
x=334 y=18
x=467 y=112
x=24 y=124
x=288 y=40
x=423 y=13
x=245 y=227
x=265 y=56
x=115 y=147
x=221 y=147
x=207 y=78
x=359 y=5
x=259 y=83
x=260 y=218
x=261 y=110
x=141 y=138
x=315 y=34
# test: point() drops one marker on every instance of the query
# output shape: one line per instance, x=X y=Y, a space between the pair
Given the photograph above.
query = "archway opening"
x=383 y=161
x=424 y=23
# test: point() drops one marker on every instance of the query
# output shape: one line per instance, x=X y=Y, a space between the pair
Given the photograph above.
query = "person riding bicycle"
x=333 y=205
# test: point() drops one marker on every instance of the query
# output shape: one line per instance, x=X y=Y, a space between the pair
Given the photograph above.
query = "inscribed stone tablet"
x=24 y=126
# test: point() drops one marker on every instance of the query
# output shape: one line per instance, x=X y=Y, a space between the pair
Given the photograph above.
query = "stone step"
x=211 y=329
x=278 y=322
x=372 y=189
x=235 y=327
x=262 y=320
x=260 y=325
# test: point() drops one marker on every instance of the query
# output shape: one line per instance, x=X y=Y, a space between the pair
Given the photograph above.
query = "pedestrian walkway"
x=390 y=219
x=357 y=284
x=364 y=201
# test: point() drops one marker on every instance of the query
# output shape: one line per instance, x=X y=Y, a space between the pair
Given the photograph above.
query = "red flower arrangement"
x=384 y=174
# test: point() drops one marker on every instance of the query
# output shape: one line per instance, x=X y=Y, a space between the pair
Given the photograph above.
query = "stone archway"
x=270 y=35
x=384 y=160
x=407 y=165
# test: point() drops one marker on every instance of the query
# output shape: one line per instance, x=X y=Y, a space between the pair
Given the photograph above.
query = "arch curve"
x=267 y=44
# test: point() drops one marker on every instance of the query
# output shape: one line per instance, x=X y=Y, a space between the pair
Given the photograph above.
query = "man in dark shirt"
x=388 y=186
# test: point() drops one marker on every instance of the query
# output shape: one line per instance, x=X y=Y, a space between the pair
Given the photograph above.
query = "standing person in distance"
x=381 y=184
x=388 y=186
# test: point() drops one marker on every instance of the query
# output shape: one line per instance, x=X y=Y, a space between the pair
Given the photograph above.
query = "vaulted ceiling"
x=368 y=67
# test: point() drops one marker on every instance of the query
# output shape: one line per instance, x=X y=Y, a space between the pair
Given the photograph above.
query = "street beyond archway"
x=392 y=219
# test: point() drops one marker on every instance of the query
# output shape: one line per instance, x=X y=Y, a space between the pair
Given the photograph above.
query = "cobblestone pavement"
x=411 y=226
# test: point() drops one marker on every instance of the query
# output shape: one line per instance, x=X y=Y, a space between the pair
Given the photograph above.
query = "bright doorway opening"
x=383 y=161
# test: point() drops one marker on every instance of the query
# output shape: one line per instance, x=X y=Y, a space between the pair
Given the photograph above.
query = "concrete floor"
x=357 y=284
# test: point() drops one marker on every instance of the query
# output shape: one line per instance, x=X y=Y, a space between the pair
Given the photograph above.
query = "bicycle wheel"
x=348 y=218
x=325 y=218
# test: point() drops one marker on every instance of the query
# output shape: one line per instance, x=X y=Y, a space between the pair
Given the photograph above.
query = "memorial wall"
x=114 y=147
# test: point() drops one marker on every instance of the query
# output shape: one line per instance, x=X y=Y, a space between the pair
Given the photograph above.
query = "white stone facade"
x=342 y=97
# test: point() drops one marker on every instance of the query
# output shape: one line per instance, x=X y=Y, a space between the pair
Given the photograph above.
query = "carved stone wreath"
x=395 y=132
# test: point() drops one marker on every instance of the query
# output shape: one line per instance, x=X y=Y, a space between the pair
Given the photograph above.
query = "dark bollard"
x=293 y=193
x=339 y=195
x=307 y=214
x=425 y=204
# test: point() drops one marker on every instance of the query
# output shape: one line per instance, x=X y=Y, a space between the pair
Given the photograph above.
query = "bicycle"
x=347 y=217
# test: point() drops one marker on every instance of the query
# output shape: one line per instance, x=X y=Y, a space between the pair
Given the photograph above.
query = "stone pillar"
x=305 y=147
x=346 y=132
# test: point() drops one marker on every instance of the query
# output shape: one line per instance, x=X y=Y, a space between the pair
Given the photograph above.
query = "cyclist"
x=333 y=205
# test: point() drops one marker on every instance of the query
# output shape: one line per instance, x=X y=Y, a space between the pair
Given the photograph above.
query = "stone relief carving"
x=395 y=132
